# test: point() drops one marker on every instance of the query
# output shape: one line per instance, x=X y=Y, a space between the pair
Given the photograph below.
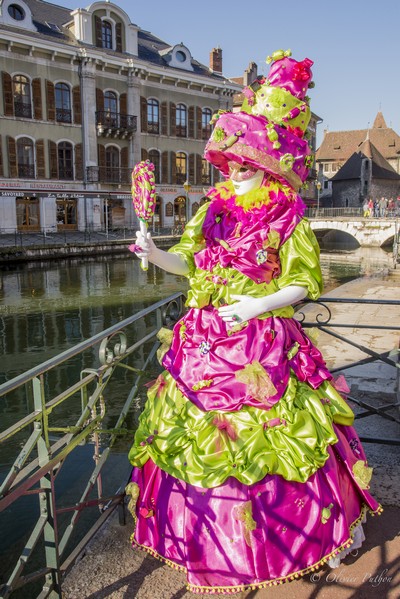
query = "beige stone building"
x=86 y=94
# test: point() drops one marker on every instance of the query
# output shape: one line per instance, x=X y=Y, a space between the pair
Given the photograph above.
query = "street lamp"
x=187 y=187
x=318 y=192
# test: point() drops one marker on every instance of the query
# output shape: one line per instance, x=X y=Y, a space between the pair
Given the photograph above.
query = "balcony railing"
x=66 y=173
x=26 y=171
x=105 y=174
x=153 y=127
x=56 y=428
x=22 y=109
x=115 y=123
x=63 y=115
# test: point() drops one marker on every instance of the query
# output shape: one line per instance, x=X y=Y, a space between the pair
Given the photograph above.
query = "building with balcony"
x=85 y=95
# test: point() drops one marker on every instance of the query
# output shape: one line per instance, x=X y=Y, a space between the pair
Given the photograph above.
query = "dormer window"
x=106 y=35
x=16 y=12
x=180 y=56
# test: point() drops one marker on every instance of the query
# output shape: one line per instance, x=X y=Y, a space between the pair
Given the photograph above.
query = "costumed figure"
x=247 y=470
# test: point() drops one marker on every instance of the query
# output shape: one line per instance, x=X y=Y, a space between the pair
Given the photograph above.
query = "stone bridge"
x=369 y=232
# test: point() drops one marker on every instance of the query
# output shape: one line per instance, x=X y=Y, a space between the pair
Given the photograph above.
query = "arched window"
x=63 y=103
x=179 y=211
x=154 y=157
x=25 y=158
x=181 y=168
x=153 y=113
x=106 y=35
x=181 y=120
x=205 y=172
x=110 y=101
x=22 y=96
x=205 y=123
x=65 y=157
x=111 y=109
x=195 y=208
x=112 y=165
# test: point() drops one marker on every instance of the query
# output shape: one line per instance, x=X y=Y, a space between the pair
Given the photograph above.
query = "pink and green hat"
x=267 y=133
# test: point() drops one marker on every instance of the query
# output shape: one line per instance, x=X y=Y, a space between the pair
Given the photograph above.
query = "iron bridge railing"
x=43 y=439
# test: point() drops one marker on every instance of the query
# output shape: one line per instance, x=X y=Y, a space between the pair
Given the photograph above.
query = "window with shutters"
x=63 y=103
x=106 y=35
x=25 y=158
x=112 y=172
x=206 y=128
x=181 y=120
x=22 y=96
x=65 y=160
x=111 y=109
x=205 y=172
x=153 y=116
x=181 y=168
x=154 y=157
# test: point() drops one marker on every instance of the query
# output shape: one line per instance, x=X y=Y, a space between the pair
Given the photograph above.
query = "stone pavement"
x=110 y=568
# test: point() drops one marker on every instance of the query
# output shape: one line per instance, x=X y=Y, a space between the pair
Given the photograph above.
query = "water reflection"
x=50 y=306
x=341 y=267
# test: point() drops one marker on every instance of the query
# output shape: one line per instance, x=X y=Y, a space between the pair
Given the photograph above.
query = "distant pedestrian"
x=383 y=207
x=376 y=208
x=366 y=208
x=371 y=207
x=391 y=208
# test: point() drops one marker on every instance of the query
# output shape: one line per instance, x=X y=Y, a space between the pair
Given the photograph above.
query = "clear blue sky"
x=355 y=46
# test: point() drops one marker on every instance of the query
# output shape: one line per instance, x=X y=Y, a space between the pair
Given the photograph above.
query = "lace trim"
x=268 y=583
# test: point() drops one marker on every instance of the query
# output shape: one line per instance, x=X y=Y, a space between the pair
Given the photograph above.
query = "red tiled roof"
x=340 y=145
x=380 y=167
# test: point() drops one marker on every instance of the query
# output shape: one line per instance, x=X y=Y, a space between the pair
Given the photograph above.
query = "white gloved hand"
x=248 y=307
x=146 y=248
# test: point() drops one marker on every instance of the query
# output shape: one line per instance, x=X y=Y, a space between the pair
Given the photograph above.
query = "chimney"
x=250 y=74
x=216 y=60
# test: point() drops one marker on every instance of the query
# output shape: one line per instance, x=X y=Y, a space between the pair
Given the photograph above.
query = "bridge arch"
x=366 y=231
x=331 y=237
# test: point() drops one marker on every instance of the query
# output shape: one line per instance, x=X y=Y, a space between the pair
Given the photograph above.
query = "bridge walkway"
x=110 y=568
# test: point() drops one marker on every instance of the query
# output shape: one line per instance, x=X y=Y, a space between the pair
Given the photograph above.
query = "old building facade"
x=86 y=94
x=343 y=160
x=366 y=174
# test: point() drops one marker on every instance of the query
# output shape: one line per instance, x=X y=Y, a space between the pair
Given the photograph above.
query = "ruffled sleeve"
x=192 y=239
x=300 y=265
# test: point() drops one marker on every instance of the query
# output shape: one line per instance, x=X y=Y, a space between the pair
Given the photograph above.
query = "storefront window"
x=67 y=214
x=28 y=214
x=180 y=210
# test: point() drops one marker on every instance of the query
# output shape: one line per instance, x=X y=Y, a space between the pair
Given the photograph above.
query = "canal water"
x=48 y=307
